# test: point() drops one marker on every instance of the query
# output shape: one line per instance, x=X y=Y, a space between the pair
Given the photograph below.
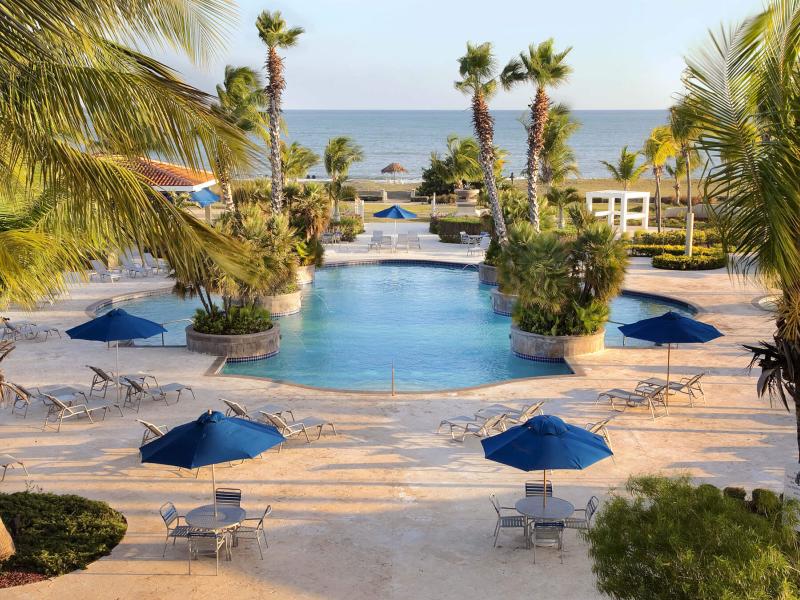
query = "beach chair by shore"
x=471 y=426
x=402 y=241
x=513 y=415
x=151 y=432
x=103 y=272
x=692 y=387
x=601 y=428
x=375 y=241
x=413 y=241
x=59 y=411
x=300 y=426
x=27 y=331
x=136 y=392
x=240 y=410
x=652 y=398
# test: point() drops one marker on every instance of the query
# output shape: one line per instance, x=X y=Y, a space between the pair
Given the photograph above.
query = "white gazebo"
x=624 y=202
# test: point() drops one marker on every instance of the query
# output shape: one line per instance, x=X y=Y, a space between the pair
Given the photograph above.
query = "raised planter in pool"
x=503 y=304
x=252 y=346
x=305 y=275
x=532 y=346
x=282 y=304
x=487 y=274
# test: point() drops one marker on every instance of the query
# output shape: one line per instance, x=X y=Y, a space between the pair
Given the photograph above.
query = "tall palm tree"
x=677 y=171
x=744 y=90
x=625 y=171
x=296 y=160
x=463 y=160
x=543 y=67
x=478 y=79
x=558 y=160
x=240 y=101
x=658 y=148
x=70 y=86
x=561 y=198
x=340 y=153
x=274 y=32
x=683 y=126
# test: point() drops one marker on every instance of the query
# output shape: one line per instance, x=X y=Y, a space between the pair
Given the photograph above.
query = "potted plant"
x=309 y=217
x=564 y=287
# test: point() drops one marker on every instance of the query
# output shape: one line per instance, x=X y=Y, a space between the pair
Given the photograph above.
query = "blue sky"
x=375 y=54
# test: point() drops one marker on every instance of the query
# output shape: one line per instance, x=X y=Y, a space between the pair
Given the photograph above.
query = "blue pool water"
x=434 y=323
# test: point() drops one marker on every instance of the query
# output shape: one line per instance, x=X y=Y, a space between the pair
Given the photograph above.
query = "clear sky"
x=376 y=54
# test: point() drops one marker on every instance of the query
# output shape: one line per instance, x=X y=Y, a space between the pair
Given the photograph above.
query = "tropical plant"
x=275 y=34
x=240 y=101
x=658 y=149
x=296 y=161
x=684 y=128
x=236 y=320
x=309 y=211
x=543 y=67
x=71 y=86
x=561 y=198
x=558 y=160
x=478 y=79
x=625 y=170
x=666 y=539
x=462 y=161
x=677 y=171
x=744 y=92
x=564 y=286
x=340 y=153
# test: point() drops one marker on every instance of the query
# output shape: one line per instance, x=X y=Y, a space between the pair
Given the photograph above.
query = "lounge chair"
x=584 y=522
x=515 y=521
x=157 y=265
x=172 y=521
x=513 y=415
x=472 y=426
x=535 y=489
x=103 y=379
x=101 y=271
x=651 y=397
x=152 y=432
x=692 y=387
x=253 y=529
x=298 y=427
x=19 y=398
x=375 y=241
x=137 y=392
x=402 y=241
x=59 y=411
x=548 y=532
x=601 y=428
x=413 y=241
x=7 y=461
x=239 y=410
x=27 y=331
x=131 y=268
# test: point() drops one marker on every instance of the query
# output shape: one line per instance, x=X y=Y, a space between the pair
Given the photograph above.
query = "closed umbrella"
x=114 y=326
x=396 y=213
x=671 y=328
x=546 y=442
x=211 y=439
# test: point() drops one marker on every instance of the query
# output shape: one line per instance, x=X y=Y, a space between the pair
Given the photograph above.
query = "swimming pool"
x=434 y=323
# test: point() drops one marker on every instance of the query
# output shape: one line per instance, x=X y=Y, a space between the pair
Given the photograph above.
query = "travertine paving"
x=387 y=509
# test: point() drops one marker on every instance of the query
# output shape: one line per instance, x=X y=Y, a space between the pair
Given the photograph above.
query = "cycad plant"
x=477 y=69
x=543 y=67
x=276 y=35
x=70 y=86
x=340 y=154
x=658 y=149
x=561 y=198
x=744 y=93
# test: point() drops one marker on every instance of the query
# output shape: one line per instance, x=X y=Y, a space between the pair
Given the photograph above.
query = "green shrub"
x=737 y=493
x=239 y=320
x=493 y=253
x=674 y=541
x=450 y=228
x=310 y=252
x=57 y=534
x=766 y=503
x=697 y=262
x=350 y=226
x=708 y=237
x=676 y=250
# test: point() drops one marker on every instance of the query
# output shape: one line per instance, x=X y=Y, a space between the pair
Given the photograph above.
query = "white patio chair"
x=514 y=521
x=103 y=272
x=253 y=529
x=585 y=522
x=548 y=532
x=172 y=521
x=402 y=241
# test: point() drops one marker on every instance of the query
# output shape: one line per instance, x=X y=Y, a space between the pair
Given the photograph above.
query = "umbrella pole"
x=666 y=392
x=214 y=489
x=544 y=489
x=118 y=390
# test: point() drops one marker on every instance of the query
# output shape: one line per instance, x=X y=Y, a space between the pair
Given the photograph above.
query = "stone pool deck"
x=387 y=509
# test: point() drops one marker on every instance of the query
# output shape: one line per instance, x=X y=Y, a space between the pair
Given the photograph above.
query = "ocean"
x=409 y=136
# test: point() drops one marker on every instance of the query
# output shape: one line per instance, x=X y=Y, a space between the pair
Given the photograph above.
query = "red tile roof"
x=168 y=175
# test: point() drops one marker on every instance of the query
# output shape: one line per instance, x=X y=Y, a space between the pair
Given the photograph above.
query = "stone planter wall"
x=487 y=274
x=466 y=195
x=503 y=304
x=237 y=347
x=282 y=304
x=305 y=275
x=532 y=346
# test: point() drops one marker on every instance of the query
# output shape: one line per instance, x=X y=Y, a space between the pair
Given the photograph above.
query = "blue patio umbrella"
x=114 y=326
x=546 y=442
x=211 y=439
x=671 y=328
x=395 y=212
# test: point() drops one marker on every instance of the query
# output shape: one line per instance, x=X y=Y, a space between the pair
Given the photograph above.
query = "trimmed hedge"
x=655 y=250
x=449 y=228
x=349 y=226
x=697 y=262
x=708 y=237
x=58 y=534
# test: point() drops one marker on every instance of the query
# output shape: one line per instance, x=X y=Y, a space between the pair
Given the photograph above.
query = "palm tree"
x=543 y=67
x=658 y=148
x=340 y=153
x=676 y=170
x=274 y=32
x=70 y=86
x=743 y=91
x=561 y=198
x=684 y=130
x=240 y=101
x=463 y=160
x=477 y=70
x=625 y=170
x=558 y=160
x=296 y=161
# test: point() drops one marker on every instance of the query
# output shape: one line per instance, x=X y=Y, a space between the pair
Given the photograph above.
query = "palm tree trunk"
x=227 y=190
x=535 y=146
x=689 y=207
x=560 y=217
x=484 y=131
x=274 y=90
x=657 y=175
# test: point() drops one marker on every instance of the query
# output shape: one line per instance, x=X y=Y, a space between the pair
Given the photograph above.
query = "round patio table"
x=535 y=509
x=203 y=517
